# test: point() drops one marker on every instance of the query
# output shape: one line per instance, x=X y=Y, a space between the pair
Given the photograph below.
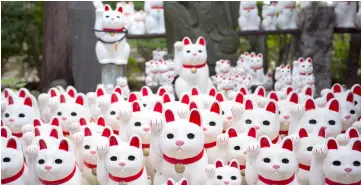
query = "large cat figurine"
x=112 y=46
x=345 y=14
x=221 y=174
x=154 y=21
x=249 y=19
x=191 y=65
x=138 y=25
x=287 y=16
x=269 y=21
x=255 y=68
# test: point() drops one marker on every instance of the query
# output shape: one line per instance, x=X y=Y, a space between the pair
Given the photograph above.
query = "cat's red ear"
x=310 y=105
x=192 y=105
x=356 y=89
x=120 y=9
x=234 y=164
x=302 y=133
x=100 y=92
x=212 y=91
x=357 y=146
x=6 y=93
x=301 y=59
x=349 y=97
x=184 y=182
x=252 y=132
x=322 y=132
x=54 y=133
x=195 y=117
x=232 y=132
x=249 y=105
x=289 y=90
x=42 y=144
x=264 y=142
x=194 y=91
x=161 y=91
x=10 y=100
x=113 y=141
x=106 y=132
x=82 y=122
x=114 y=98
x=55 y=121
x=185 y=99
x=219 y=97
x=79 y=100
x=136 y=106
x=169 y=182
x=4 y=133
x=22 y=93
x=201 y=41
x=332 y=144
x=219 y=164
x=186 y=41
x=308 y=91
x=294 y=98
x=71 y=92
x=271 y=107
x=12 y=144
x=36 y=132
x=37 y=122
x=287 y=144
x=28 y=102
x=166 y=98
x=273 y=96
x=216 y=108
x=243 y=90
x=64 y=145
x=334 y=105
x=87 y=132
x=260 y=91
x=336 y=88
x=353 y=133
x=158 y=107
x=145 y=91
x=118 y=90
x=259 y=55
x=309 y=60
x=107 y=8
x=132 y=97
x=53 y=92
x=240 y=98
x=169 y=116
x=329 y=96
x=62 y=98
x=135 y=141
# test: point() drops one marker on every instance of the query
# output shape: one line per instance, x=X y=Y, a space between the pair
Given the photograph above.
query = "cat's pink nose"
x=257 y=127
x=63 y=118
x=348 y=117
x=118 y=118
x=11 y=120
x=179 y=143
x=229 y=117
x=146 y=129
x=194 y=54
x=122 y=164
x=348 y=170
x=47 y=167
x=226 y=182
x=286 y=117
x=276 y=166
x=204 y=129
x=93 y=152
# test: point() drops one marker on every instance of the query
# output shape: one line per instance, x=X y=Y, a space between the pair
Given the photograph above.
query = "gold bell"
x=179 y=168
x=243 y=172
x=194 y=70
x=112 y=34
x=116 y=46
x=146 y=151
x=94 y=171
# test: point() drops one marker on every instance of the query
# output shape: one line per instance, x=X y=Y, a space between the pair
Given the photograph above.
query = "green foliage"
x=13 y=83
x=133 y=71
x=341 y=45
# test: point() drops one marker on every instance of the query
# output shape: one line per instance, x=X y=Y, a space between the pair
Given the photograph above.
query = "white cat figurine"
x=249 y=19
x=287 y=16
x=345 y=14
x=269 y=21
x=122 y=82
x=154 y=21
x=138 y=25
x=221 y=174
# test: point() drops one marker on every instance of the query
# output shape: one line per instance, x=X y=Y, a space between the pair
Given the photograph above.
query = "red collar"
x=344 y=131
x=126 y=179
x=15 y=177
x=19 y=135
x=60 y=181
x=210 y=145
x=91 y=166
x=278 y=182
x=145 y=145
x=195 y=66
x=290 y=7
x=275 y=140
x=184 y=161
x=116 y=132
x=255 y=69
x=330 y=182
x=66 y=133
x=304 y=74
x=284 y=132
x=304 y=167
x=157 y=7
x=242 y=167
x=112 y=29
x=248 y=9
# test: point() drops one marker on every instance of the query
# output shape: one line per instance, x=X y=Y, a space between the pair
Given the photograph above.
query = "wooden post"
x=86 y=68
x=353 y=60
x=316 y=24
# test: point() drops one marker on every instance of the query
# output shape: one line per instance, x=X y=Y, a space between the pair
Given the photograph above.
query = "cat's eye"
x=312 y=122
x=219 y=177
x=233 y=177
x=279 y=112
x=356 y=163
x=237 y=148
x=248 y=121
x=21 y=115
x=58 y=161
x=59 y=113
x=137 y=124
x=170 y=136
x=267 y=160
x=356 y=102
x=112 y=113
x=41 y=161
x=336 y=163
x=190 y=136
x=144 y=105
x=188 y=51
x=87 y=147
x=285 y=161
x=7 y=115
x=113 y=158
x=352 y=111
x=107 y=16
x=73 y=114
x=199 y=51
x=222 y=112
x=131 y=158
x=118 y=17
x=303 y=66
x=6 y=159
x=309 y=148
x=332 y=122
x=266 y=123
x=212 y=123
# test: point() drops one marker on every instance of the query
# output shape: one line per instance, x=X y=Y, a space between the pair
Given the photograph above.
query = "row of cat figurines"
x=283 y=15
x=171 y=141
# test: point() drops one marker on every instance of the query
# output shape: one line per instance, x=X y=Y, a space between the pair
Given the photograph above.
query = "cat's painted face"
x=112 y=114
x=113 y=19
x=19 y=113
x=247 y=82
x=227 y=174
x=276 y=160
x=122 y=81
x=224 y=66
x=194 y=53
x=226 y=84
x=182 y=138
x=148 y=99
x=347 y=108
x=286 y=70
x=226 y=107
x=343 y=163
x=356 y=90
x=212 y=122
x=12 y=158
x=306 y=66
x=124 y=159
x=238 y=143
x=139 y=123
x=128 y=8
x=310 y=79
x=256 y=61
x=265 y=120
x=156 y=8
x=314 y=118
x=56 y=162
x=285 y=107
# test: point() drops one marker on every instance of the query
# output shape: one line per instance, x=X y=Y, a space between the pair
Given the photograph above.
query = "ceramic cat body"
x=348 y=112
x=240 y=68
x=345 y=14
x=112 y=46
x=226 y=87
x=191 y=65
x=220 y=174
x=223 y=67
x=269 y=21
x=154 y=21
x=122 y=82
x=287 y=16
x=356 y=90
x=255 y=69
x=249 y=19
x=268 y=82
x=128 y=12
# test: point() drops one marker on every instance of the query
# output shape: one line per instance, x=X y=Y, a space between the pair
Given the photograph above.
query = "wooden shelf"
x=150 y=36
x=347 y=30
